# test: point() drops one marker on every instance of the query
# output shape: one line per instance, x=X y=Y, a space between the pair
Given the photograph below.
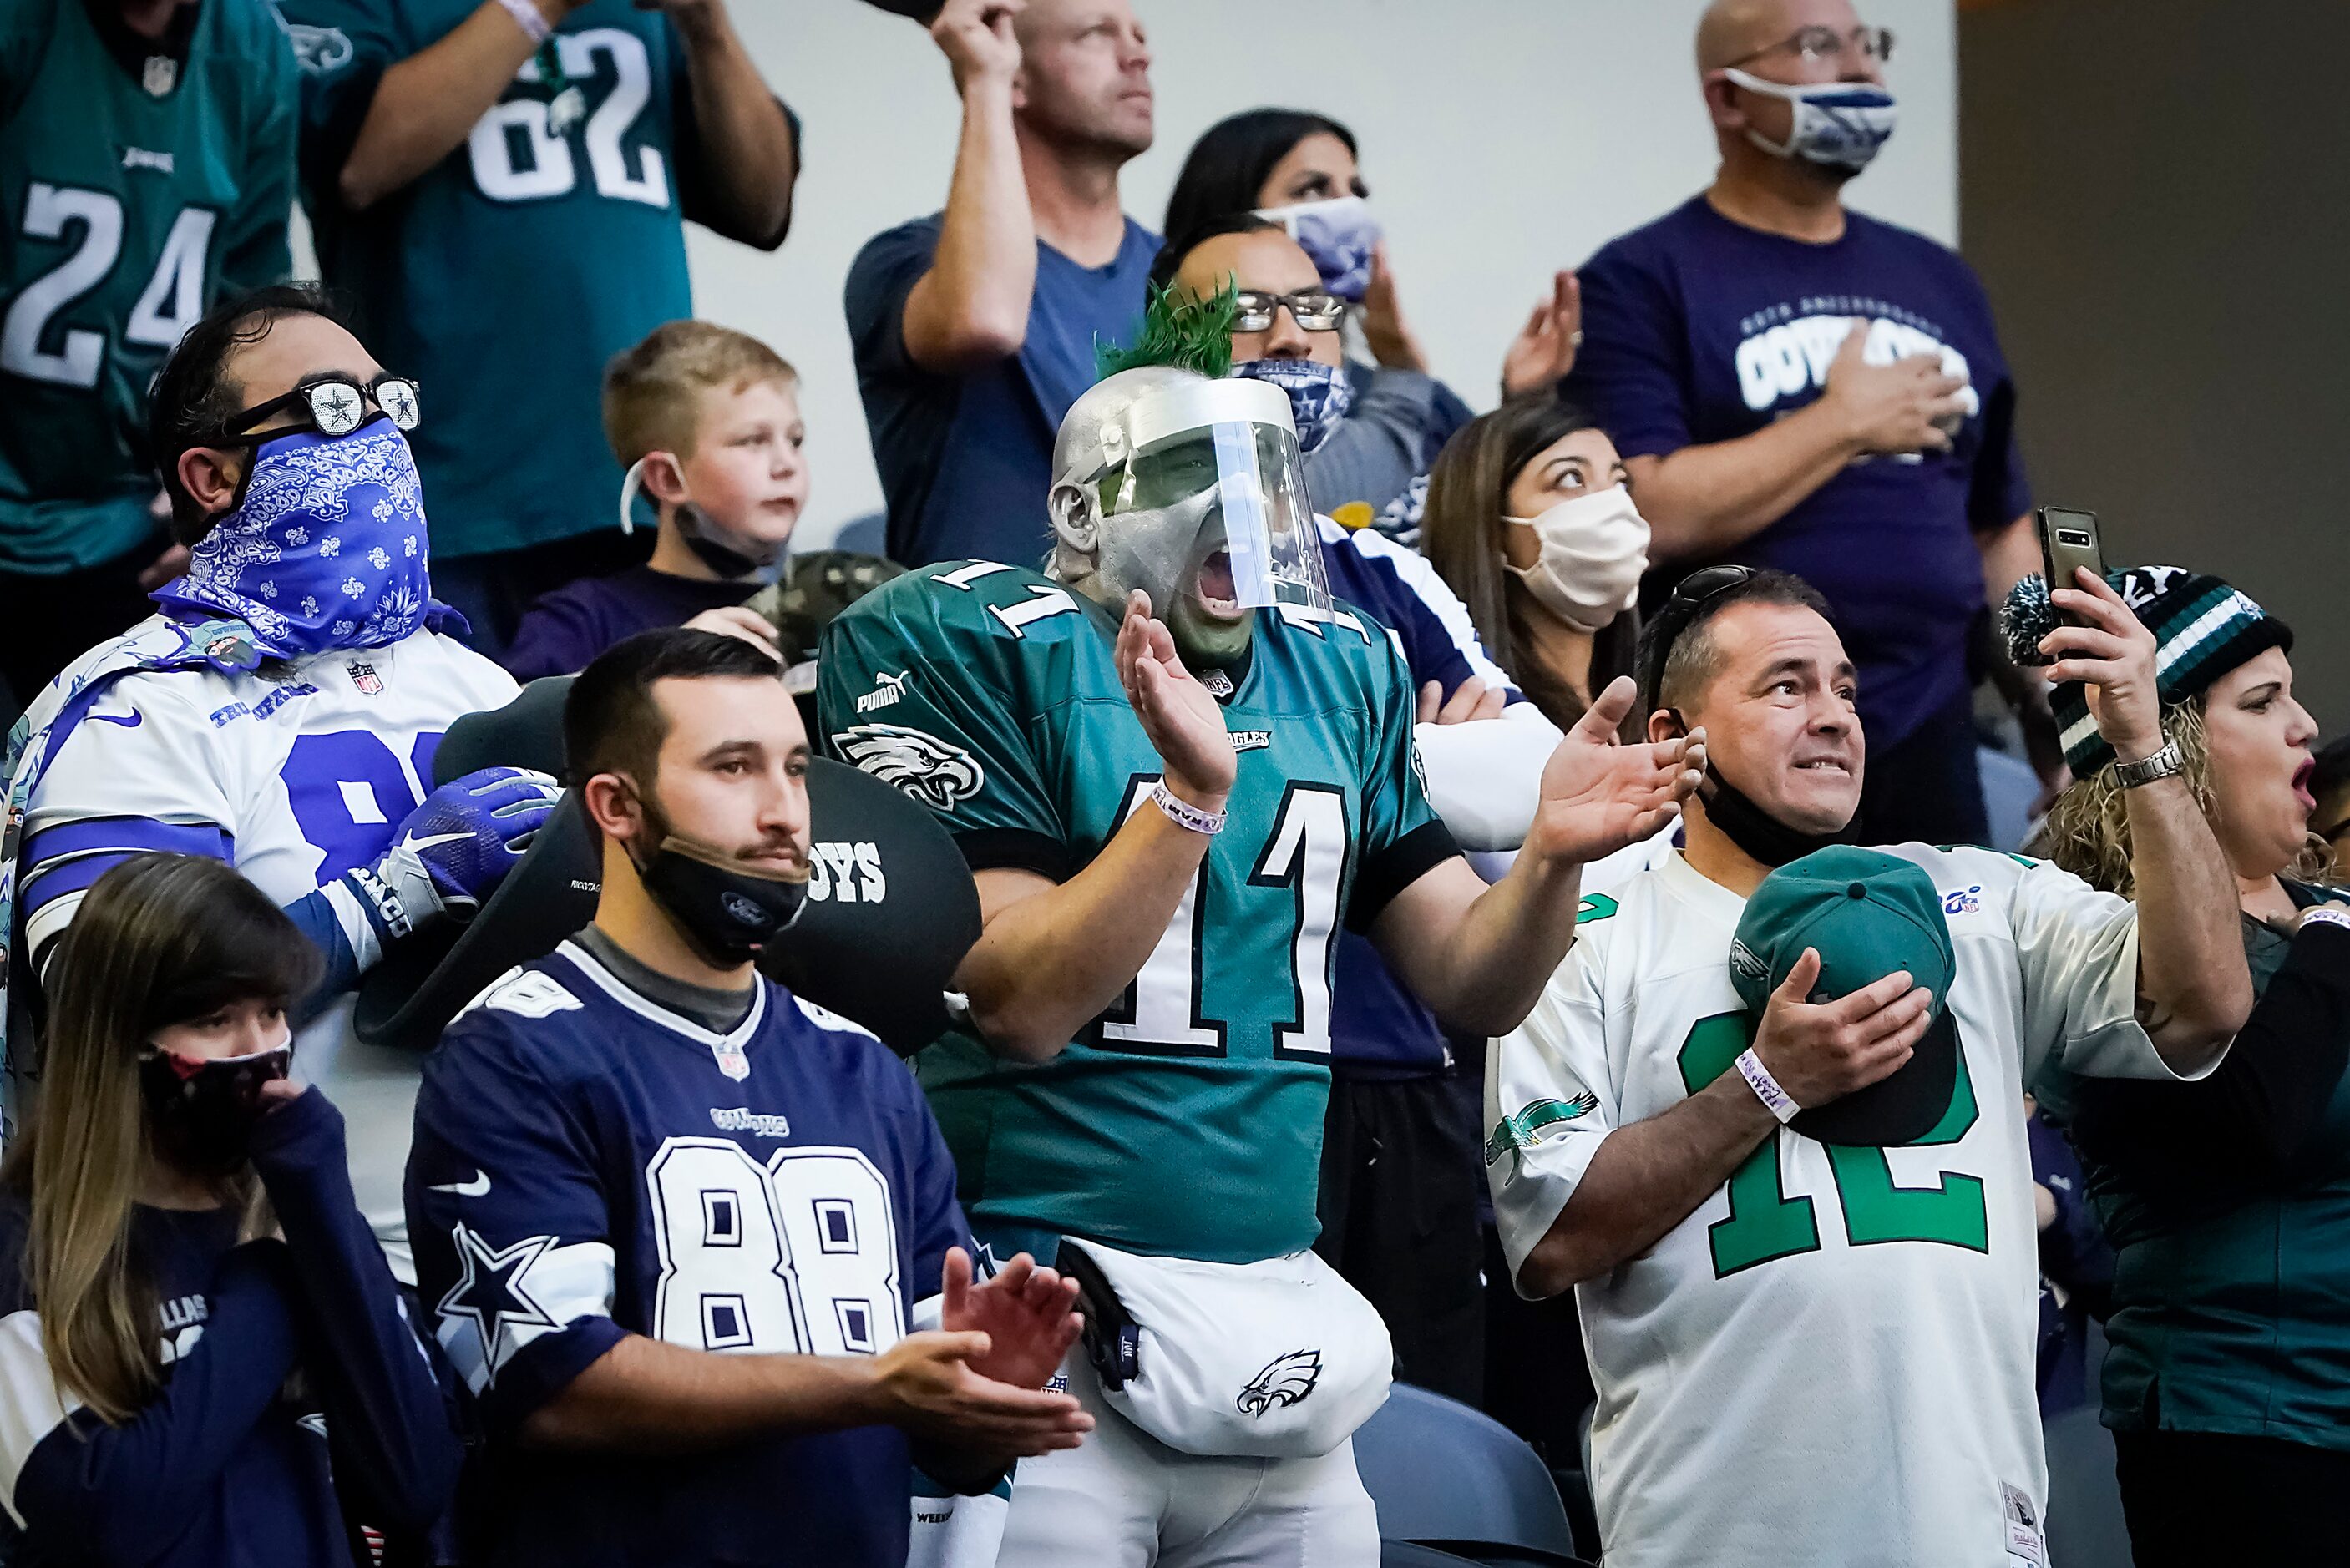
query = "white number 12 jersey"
x=1830 y=1362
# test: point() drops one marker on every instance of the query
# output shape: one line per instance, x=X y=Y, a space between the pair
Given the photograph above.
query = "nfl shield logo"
x=730 y=1060
x=364 y=677
x=160 y=75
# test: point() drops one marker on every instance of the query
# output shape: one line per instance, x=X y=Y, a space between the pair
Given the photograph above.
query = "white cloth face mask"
x=1594 y=549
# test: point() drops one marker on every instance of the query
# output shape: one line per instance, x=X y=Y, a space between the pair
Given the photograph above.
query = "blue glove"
x=453 y=849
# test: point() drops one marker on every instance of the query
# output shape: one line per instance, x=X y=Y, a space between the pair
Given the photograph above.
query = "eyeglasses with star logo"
x=332 y=405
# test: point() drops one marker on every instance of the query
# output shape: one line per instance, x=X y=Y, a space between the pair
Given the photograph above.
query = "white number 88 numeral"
x=798 y=1255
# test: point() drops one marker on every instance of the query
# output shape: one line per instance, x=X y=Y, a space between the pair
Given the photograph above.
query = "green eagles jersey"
x=1187 y=1121
x=131 y=199
x=503 y=279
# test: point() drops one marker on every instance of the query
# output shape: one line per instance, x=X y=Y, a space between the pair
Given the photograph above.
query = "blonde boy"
x=707 y=422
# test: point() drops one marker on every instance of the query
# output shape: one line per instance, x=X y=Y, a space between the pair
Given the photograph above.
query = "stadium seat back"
x=891 y=906
x=1446 y=1475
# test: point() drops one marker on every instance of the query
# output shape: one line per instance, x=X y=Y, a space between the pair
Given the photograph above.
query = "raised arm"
x=425 y=105
x=972 y=307
x=1051 y=957
x=2194 y=990
x=1706 y=500
x=384 y=1410
x=749 y=157
x=1478 y=956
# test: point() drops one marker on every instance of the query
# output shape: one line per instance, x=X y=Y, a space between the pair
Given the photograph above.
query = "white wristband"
x=528 y=17
x=1184 y=814
x=1766 y=1088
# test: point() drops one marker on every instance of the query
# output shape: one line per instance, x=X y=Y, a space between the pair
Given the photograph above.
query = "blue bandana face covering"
x=327 y=550
x=1319 y=395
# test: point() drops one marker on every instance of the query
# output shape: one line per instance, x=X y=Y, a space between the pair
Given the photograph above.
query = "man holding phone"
x=1798 y=386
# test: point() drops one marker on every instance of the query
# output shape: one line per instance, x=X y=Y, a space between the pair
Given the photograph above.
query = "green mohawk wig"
x=1179 y=330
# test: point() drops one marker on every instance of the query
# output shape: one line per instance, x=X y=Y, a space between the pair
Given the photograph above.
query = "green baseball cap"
x=1867 y=914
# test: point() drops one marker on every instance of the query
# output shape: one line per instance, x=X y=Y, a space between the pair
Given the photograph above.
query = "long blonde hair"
x=159 y=940
x=2087 y=829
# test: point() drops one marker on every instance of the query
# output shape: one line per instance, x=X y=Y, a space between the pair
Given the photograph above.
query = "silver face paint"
x=1191 y=491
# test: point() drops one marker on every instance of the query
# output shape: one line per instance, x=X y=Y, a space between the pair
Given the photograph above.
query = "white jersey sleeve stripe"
x=30 y=1406
x=1434 y=593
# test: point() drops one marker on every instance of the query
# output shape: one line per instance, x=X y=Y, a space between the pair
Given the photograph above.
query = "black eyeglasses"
x=333 y=406
x=1825 y=45
x=1312 y=309
x=1689 y=596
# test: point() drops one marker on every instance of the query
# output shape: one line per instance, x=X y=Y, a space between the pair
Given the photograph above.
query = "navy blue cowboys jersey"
x=588 y=1165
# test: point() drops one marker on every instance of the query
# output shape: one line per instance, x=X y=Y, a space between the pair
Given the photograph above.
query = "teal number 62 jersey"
x=1187 y=1119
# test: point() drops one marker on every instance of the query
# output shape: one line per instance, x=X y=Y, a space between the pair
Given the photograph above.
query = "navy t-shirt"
x=965 y=459
x=563 y=630
x=1701 y=330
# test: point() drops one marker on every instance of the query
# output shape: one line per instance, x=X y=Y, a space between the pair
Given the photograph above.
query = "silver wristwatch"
x=2145 y=770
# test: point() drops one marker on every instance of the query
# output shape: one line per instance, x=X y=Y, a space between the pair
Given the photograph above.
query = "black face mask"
x=1761 y=836
x=726 y=912
x=716 y=551
x=202 y=1114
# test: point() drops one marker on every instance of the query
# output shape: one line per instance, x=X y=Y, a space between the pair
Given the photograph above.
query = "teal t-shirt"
x=132 y=198
x=503 y=279
x=1186 y=1120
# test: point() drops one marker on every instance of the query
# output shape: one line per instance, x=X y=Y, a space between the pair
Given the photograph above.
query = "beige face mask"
x=1594 y=549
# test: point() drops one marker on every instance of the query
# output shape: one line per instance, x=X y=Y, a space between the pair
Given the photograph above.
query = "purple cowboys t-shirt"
x=1700 y=330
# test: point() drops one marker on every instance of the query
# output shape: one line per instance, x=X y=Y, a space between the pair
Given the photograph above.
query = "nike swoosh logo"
x=411 y=845
x=477 y=1188
x=132 y=723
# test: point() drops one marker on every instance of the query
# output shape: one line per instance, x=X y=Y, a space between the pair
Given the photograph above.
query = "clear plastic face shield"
x=1205 y=508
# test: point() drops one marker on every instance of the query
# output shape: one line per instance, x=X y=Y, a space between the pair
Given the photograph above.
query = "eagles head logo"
x=1514 y=1135
x=923 y=766
x=1285 y=1380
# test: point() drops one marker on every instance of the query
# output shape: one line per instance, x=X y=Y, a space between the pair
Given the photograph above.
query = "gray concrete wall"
x=2156 y=193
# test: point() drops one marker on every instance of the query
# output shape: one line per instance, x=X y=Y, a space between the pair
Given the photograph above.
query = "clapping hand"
x=1599 y=795
x=1028 y=1313
x=1185 y=725
x=1544 y=350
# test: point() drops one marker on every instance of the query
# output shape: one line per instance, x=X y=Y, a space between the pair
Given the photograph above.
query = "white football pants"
x=1124 y=1500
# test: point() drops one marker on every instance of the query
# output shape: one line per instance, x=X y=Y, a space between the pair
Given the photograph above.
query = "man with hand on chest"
x=1799 y=386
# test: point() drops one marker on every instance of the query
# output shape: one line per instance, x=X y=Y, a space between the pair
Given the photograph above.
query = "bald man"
x=973 y=328
x=1796 y=385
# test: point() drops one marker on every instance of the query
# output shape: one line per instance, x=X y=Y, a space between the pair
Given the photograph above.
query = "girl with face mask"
x=1528 y=520
x=188 y=1281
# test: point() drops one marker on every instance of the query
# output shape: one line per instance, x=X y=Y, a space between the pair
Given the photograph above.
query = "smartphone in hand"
x=2069 y=540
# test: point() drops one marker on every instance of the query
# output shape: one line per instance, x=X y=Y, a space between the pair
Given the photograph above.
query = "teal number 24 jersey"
x=1186 y=1120
x=131 y=201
